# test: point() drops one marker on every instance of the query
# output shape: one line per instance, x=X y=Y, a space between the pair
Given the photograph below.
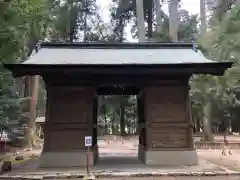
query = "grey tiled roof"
x=115 y=56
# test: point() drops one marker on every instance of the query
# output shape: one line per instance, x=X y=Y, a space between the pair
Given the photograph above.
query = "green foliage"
x=72 y=17
x=22 y=24
x=10 y=120
x=219 y=9
x=112 y=114
x=187 y=30
x=41 y=102
x=221 y=44
x=163 y=36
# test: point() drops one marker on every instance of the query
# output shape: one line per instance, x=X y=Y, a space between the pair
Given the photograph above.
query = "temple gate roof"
x=91 y=57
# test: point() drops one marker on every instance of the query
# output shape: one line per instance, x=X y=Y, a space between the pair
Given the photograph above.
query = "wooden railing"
x=198 y=145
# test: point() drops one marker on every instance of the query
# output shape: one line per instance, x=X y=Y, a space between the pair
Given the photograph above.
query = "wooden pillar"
x=169 y=130
x=69 y=118
x=141 y=127
x=95 y=128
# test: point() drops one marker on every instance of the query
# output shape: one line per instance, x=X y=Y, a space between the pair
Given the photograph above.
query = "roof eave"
x=142 y=45
x=217 y=69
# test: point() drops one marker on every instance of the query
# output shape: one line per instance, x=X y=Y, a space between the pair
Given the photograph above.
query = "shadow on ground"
x=117 y=157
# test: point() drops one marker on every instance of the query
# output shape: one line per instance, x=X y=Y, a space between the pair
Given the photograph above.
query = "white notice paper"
x=88 y=141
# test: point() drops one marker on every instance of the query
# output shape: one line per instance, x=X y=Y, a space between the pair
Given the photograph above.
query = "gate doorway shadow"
x=118 y=127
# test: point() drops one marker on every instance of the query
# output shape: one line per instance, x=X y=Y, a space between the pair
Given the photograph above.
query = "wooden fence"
x=203 y=145
x=198 y=145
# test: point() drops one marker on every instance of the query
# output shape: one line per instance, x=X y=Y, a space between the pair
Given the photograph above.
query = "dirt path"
x=231 y=162
x=174 y=178
x=129 y=149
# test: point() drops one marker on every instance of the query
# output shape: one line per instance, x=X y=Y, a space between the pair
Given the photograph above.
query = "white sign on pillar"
x=88 y=141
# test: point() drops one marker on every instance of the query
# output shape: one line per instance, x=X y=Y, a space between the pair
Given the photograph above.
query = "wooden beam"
x=111 y=80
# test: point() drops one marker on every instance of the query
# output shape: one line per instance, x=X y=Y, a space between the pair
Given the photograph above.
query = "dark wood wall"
x=163 y=111
x=69 y=118
x=167 y=116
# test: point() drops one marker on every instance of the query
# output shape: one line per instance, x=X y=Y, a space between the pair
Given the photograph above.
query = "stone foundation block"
x=169 y=158
x=66 y=159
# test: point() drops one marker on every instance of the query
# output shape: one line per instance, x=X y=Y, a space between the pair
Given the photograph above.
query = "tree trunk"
x=28 y=86
x=140 y=20
x=198 y=125
x=31 y=90
x=225 y=135
x=85 y=22
x=207 y=128
x=158 y=15
x=121 y=34
x=122 y=119
x=72 y=23
x=20 y=86
x=105 y=119
x=113 y=121
x=150 y=21
x=225 y=151
x=203 y=15
x=173 y=20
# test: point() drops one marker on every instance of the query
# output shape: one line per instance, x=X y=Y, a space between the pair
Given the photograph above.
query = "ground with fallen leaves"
x=172 y=178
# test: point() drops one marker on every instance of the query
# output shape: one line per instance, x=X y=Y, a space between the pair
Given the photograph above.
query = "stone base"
x=66 y=159
x=169 y=158
x=141 y=153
